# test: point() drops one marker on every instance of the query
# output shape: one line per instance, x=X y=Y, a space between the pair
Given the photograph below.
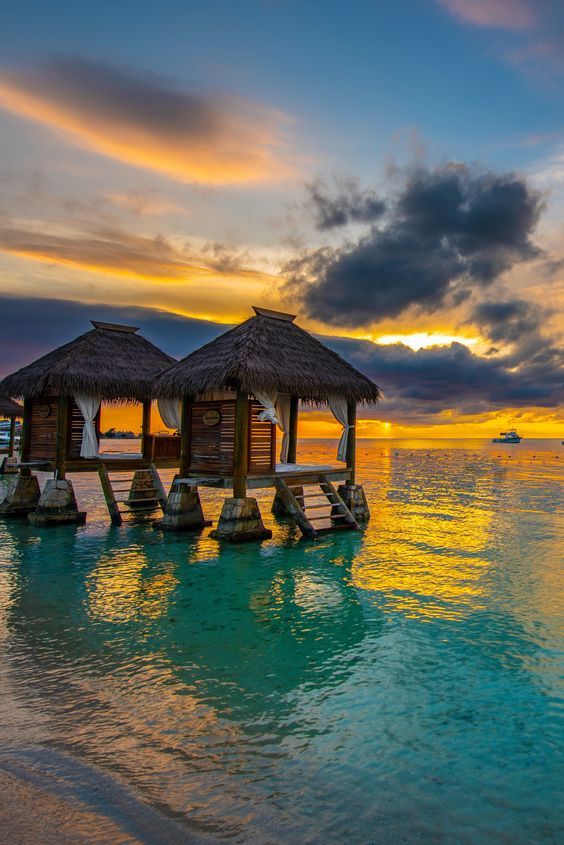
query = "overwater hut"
x=12 y=411
x=235 y=392
x=63 y=394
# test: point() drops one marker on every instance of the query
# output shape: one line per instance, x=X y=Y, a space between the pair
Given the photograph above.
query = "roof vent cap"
x=114 y=327
x=274 y=315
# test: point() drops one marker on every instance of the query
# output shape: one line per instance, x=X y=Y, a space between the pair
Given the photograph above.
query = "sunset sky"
x=393 y=173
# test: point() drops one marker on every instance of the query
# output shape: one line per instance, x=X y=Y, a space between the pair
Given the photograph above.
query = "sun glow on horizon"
x=422 y=340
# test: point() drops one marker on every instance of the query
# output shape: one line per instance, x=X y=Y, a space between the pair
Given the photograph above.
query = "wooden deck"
x=118 y=461
x=299 y=474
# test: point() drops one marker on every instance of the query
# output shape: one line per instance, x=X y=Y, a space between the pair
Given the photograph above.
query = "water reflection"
x=123 y=587
x=309 y=691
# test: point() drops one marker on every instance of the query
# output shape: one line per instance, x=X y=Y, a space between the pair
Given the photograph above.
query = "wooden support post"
x=26 y=437
x=145 y=427
x=293 y=430
x=63 y=408
x=241 y=446
x=12 y=443
x=351 y=444
x=109 y=496
x=185 y=422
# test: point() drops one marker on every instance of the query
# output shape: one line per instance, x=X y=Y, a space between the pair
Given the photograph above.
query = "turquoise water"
x=398 y=685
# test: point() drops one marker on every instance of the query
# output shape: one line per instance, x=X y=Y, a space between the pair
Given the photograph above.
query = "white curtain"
x=283 y=414
x=170 y=411
x=89 y=406
x=339 y=409
x=277 y=410
x=267 y=401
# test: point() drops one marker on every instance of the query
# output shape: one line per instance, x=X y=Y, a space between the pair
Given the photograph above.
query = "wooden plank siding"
x=162 y=446
x=43 y=429
x=211 y=447
x=262 y=441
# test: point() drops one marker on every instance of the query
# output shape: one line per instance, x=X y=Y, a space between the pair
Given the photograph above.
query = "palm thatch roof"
x=267 y=353
x=110 y=361
x=10 y=409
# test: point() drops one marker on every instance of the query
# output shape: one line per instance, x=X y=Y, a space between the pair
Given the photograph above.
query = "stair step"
x=139 y=510
x=137 y=501
x=127 y=489
x=151 y=490
x=328 y=516
x=316 y=507
x=304 y=486
x=336 y=516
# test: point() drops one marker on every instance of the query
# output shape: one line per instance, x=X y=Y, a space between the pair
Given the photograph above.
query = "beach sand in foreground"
x=50 y=798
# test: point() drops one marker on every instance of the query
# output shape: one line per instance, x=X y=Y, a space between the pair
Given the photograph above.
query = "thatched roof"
x=10 y=409
x=269 y=353
x=110 y=361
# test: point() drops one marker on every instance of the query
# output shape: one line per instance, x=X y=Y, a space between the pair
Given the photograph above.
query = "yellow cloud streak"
x=214 y=296
x=189 y=273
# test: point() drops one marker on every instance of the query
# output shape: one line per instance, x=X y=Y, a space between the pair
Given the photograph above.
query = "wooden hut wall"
x=212 y=438
x=262 y=441
x=211 y=445
x=43 y=428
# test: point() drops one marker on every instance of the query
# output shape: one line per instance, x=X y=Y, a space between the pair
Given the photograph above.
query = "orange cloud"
x=504 y=14
x=119 y=254
x=137 y=119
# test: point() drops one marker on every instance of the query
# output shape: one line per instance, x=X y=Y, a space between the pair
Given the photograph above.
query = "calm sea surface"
x=397 y=685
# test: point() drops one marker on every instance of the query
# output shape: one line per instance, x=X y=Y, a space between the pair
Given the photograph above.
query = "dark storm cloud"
x=521 y=326
x=447 y=231
x=344 y=202
x=422 y=384
x=509 y=321
x=33 y=326
x=417 y=386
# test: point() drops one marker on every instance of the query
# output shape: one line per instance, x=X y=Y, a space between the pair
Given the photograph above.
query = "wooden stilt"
x=351 y=444
x=12 y=443
x=241 y=446
x=145 y=427
x=63 y=408
x=26 y=437
x=184 y=438
x=293 y=431
x=109 y=496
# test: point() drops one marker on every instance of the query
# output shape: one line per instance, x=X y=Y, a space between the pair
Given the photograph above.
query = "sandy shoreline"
x=50 y=798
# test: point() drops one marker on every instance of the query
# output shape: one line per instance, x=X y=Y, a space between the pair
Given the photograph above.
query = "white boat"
x=510 y=436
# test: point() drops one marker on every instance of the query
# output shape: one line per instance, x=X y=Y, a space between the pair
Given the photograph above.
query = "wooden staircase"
x=316 y=507
x=120 y=482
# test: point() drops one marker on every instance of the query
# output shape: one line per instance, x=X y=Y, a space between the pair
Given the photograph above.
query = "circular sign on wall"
x=211 y=417
x=44 y=410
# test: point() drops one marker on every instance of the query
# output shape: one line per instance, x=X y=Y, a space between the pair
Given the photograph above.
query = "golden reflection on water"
x=426 y=556
x=121 y=587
